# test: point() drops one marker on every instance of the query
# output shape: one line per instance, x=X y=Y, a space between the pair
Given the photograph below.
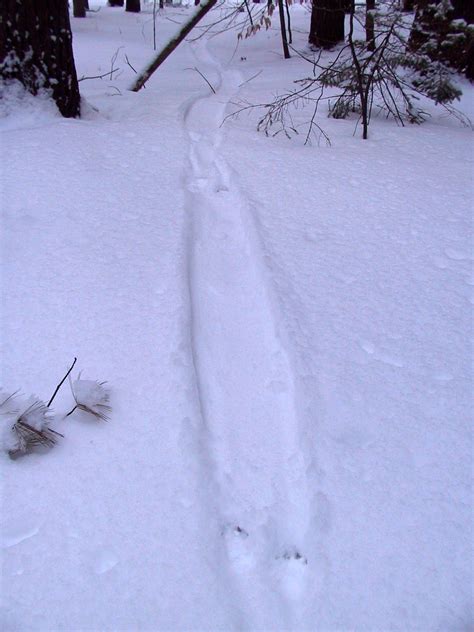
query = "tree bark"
x=36 y=50
x=361 y=88
x=327 y=23
x=133 y=6
x=284 y=40
x=79 y=8
x=288 y=22
x=369 y=25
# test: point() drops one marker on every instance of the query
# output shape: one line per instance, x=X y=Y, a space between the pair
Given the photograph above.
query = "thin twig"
x=248 y=11
x=106 y=74
x=117 y=94
x=113 y=60
x=251 y=78
x=205 y=79
x=129 y=64
x=61 y=383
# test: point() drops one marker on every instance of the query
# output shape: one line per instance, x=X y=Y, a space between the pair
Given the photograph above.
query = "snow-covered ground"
x=286 y=332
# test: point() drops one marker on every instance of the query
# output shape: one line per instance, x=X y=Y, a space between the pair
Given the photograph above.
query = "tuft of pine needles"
x=31 y=429
x=93 y=400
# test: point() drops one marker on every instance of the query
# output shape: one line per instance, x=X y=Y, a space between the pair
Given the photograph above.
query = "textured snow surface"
x=286 y=334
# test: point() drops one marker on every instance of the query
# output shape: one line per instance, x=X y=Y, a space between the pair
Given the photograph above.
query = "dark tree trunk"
x=408 y=5
x=116 y=3
x=133 y=6
x=36 y=50
x=284 y=39
x=369 y=24
x=327 y=23
x=288 y=22
x=79 y=8
x=86 y=4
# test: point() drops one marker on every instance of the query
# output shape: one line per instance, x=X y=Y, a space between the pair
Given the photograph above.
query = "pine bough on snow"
x=27 y=424
x=91 y=397
x=26 y=421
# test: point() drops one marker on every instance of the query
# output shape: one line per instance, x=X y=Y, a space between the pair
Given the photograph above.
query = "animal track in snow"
x=238 y=547
x=291 y=573
x=245 y=381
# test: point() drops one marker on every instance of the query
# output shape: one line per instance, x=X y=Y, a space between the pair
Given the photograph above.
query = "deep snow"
x=286 y=332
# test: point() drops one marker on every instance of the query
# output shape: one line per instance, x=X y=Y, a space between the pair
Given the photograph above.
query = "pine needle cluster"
x=26 y=422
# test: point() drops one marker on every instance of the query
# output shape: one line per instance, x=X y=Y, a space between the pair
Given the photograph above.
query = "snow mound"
x=19 y=109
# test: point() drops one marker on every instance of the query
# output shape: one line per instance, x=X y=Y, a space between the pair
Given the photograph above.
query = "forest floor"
x=286 y=333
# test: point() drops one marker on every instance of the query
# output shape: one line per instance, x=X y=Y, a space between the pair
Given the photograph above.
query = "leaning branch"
x=172 y=44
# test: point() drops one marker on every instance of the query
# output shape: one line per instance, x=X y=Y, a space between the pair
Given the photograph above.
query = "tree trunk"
x=36 y=50
x=327 y=23
x=369 y=25
x=133 y=6
x=408 y=5
x=79 y=8
x=288 y=22
x=284 y=40
x=115 y=3
x=362 y=89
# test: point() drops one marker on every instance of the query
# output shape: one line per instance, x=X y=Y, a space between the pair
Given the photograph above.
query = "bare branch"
x=61 y=383
x=203 y=76
x=172 y=45
x=106 y=74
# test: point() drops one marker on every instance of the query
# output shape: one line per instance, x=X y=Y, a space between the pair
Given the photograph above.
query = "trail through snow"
x=259 y=466
x=285 y=331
